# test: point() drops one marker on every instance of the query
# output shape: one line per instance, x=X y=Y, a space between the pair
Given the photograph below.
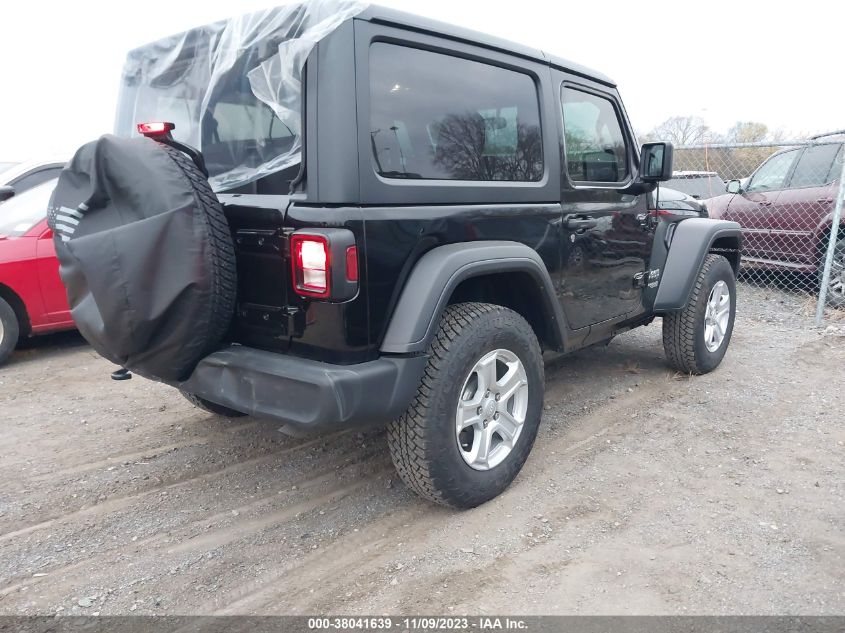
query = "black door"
x=606 y=236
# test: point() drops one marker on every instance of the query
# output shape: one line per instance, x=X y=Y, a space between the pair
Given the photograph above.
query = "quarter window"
x=595 y=144
x=435 y=116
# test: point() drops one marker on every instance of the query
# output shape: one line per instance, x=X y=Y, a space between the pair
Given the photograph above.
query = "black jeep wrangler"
x=335 y=215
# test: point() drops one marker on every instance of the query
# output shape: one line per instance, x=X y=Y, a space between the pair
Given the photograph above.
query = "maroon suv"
x=785 y=211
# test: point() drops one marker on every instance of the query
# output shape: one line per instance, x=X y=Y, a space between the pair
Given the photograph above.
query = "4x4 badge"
x=650 y=277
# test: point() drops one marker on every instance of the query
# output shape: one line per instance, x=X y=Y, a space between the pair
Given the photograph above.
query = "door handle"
x=824 y=199
x=581 y=224
x=765 y=203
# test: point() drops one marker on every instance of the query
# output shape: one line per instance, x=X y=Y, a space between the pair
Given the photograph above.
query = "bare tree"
x=747 y=132
x=743 y=161
x=732 y=162
x=682 y=130
x=752 y=132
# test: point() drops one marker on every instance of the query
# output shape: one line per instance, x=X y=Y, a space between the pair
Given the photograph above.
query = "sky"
x=721 y=60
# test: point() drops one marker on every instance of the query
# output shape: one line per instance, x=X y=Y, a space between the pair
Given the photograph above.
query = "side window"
x=772 y=174
x=595 y=144
x=814 y=166
x=34 y=178
x=435 y=116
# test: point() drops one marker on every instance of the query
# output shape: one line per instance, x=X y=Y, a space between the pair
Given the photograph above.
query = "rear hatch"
x=233 y=89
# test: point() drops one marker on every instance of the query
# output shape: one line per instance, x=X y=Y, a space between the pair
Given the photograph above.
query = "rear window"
x=435 y=116
x=236 y=129
x=233 y=88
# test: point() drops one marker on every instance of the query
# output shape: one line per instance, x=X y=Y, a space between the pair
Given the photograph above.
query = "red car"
x=32 y=297
x=785 y=211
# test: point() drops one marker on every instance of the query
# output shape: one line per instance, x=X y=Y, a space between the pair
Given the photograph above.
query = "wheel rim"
x=836 y=285
x=2 y=331
x=492 y=409
x=717 y=315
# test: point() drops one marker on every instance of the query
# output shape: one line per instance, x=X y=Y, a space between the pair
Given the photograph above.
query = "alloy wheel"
x=717 y=315
x=836 y=285
x=492 y=409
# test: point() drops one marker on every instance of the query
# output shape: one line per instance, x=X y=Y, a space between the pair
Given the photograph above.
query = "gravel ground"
x=647 y=492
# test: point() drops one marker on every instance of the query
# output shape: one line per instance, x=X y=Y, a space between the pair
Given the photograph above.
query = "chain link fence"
x=787 y=196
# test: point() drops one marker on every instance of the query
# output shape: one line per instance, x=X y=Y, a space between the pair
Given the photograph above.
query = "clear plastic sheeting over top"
x=233 y=88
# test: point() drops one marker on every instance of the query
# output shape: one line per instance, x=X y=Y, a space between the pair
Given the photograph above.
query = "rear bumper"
x=305 y=394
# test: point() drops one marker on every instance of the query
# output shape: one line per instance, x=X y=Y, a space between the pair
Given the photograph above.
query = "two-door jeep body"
x=405 y=215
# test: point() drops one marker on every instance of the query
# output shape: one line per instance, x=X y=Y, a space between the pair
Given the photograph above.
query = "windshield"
x=232 y=88
x=703 y=186
x=23 y=211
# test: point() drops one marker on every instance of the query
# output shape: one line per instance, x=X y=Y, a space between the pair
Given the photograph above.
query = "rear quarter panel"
x=333 y=332
x=396 y=238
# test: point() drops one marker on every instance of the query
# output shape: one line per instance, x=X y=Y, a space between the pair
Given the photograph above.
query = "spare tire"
x=146 y=255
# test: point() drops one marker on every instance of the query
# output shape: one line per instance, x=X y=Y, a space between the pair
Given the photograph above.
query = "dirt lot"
x=647 y=492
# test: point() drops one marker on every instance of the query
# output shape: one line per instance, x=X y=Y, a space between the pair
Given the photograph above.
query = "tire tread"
x=679 y=327
x=406 y=435
x=222 y=252
x=11 y=330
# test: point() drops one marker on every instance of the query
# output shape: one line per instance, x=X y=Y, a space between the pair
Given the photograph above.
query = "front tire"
x=696 y=338
x=471 y=426
x=836 y=284
x=9 y=331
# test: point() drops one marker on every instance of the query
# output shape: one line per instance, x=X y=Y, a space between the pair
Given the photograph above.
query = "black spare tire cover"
x=146 y=255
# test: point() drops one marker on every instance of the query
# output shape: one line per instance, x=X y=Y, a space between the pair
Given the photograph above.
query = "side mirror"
x=6 y=192
x=733 y=186
x=656 y=162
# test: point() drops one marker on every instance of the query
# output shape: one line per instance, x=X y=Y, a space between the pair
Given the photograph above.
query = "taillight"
x=324 y=264
x=156 y=128
x=311 y=265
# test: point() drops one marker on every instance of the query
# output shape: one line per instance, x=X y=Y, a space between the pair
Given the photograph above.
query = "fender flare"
x=692 y=240
x=432 y=281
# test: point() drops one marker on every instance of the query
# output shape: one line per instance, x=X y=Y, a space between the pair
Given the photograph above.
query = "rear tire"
x=211 y=407
x=690 y=335
x=9 y=331
x=464 y=468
